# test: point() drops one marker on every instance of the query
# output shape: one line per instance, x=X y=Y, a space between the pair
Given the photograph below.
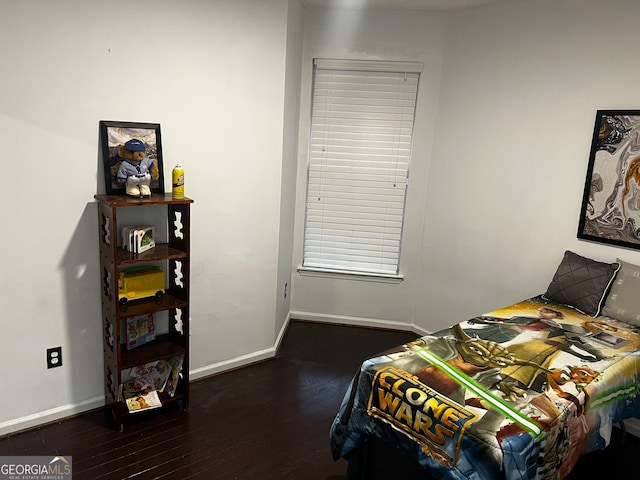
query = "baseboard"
x=242 y=360
x=65 y=411
x=232 y=363
x=49 y=416
x=359 y=322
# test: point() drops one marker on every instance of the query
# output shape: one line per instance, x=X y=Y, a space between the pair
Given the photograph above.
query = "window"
x=360 y=146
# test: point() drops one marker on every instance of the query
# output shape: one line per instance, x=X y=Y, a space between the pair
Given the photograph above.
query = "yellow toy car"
x=140 y=282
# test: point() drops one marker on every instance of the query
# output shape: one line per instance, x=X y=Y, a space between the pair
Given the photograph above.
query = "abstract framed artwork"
x=611 y=200
x=113 y=138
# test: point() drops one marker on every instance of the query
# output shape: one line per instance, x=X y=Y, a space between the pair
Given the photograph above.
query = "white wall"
x=374 y=34
x=521 y=85
x=213 y=75
x=514 y=88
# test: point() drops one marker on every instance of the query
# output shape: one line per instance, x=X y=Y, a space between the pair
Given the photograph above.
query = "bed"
x=517 y=393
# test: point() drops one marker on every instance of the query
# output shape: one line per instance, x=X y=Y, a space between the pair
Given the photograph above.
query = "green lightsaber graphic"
x=497 y=403
x=613 y=395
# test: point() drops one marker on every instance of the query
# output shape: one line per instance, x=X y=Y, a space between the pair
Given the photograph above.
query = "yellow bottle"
x=177 y=182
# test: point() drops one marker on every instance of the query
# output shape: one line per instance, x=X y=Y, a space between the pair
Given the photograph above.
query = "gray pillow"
x=623 y=302
x=582 y=283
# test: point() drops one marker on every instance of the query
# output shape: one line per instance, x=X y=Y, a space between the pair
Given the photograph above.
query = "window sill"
x=361 y=277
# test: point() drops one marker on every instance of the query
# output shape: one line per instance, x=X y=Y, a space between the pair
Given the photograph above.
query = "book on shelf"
x=127 y=238
x=140 y=330
x=145 y=239
x=138 y=239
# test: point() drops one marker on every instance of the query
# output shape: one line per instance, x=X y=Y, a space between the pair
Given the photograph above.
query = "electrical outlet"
x=54 y=357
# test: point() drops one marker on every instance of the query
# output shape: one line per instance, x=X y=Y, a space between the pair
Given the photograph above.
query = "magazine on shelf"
x=156 y=373
x=141 y=370
x=140 y=330
x=137 y=385
x=176 y=367
x=143 y=401
x=141 y=391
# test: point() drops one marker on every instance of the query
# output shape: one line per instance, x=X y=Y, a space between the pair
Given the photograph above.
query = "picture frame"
x=610 y=211
x=113 y=135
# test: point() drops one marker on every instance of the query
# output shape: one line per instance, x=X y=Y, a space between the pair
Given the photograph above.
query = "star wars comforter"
x=518 y=393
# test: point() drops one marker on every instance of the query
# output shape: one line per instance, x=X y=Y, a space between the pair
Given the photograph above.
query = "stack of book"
x=138 y=239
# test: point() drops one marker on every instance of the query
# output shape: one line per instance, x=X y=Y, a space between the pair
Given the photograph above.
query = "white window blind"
x=360 y=148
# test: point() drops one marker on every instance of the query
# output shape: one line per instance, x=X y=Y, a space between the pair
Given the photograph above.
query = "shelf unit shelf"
x=150 y=305
x=161 y=251
x=162 y=348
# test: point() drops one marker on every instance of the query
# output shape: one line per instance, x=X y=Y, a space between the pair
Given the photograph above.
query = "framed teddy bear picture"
x=132 y=158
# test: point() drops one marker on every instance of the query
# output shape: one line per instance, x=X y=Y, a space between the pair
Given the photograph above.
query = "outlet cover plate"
x=54 y=357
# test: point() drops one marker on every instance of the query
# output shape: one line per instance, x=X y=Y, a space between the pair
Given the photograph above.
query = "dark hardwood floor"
x=268 y=421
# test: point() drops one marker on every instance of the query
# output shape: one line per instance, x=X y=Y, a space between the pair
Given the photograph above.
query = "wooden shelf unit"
x=175 y=255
